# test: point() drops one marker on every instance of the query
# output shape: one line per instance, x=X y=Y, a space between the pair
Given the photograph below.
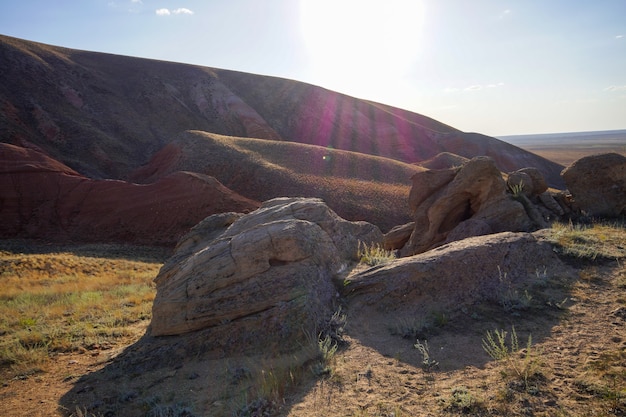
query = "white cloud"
x=136 y=1
x=474 y=87
x=619 y=36
x=167 y=12
x=616 y=88
x=504 y=14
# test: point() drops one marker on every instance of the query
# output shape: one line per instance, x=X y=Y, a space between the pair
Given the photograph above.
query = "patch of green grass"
x=589 y=241
x=66 y=301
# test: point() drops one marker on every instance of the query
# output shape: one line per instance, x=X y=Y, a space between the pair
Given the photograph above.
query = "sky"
x=495 y=67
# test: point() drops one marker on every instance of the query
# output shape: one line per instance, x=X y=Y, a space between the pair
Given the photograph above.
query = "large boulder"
x=442 y=200
x=262 y=280
x=598 y=184
x=494 y=268
x=529 y=180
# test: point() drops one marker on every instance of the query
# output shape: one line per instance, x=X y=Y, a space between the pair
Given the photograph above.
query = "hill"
x=110 y=117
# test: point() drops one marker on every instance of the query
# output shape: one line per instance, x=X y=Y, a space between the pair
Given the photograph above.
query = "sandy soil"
x=577 y=340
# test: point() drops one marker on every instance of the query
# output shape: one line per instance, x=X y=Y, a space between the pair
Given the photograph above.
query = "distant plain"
x=565 y=148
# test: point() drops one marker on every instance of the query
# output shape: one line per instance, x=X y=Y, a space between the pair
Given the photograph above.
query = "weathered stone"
x=442 y=200
x=537 y=178
x=598 y=184
x=443 y=160
x=462 y=273
x=548 y=199
x=427 y=183
x=469 y=228
x=266 y=279
x=520 y=182
x=397 y=237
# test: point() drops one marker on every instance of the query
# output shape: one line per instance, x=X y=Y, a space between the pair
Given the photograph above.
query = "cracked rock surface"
x=256 y=279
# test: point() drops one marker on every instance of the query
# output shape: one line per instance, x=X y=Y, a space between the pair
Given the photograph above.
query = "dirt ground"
x=578 y=350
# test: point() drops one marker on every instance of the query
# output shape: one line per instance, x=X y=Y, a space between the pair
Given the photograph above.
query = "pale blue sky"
x=488 y=66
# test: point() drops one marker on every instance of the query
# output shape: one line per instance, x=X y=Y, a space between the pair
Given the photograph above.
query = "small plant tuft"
x=527 y=368
x=428 y=363
x=461 y=399
x=374 y=254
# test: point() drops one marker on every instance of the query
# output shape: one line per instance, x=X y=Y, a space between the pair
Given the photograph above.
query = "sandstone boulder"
x=530 y=180
x=493 y=268
x=266 y=280
x=443 y=160
x=598 y=184
x=397 y=237
x=441 y=200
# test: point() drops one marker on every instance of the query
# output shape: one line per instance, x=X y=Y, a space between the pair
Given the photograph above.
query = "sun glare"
x=351 y=41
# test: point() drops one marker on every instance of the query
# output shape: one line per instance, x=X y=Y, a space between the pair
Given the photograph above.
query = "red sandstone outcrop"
x=42 y=198
x=260 y=281
x=598 y=184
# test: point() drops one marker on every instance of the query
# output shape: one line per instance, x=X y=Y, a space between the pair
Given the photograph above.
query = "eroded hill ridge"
x=131 y=120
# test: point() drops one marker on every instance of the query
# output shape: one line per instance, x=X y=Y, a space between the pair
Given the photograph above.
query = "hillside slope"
x=356 y=186
x=42 y=198
x=104 y=115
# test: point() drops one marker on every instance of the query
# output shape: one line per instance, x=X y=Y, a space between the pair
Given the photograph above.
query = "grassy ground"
x=69 y=300
x=67 y=312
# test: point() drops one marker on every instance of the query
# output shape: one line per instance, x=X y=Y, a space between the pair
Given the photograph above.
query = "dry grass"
x=63 y=302
x=574 y=364
x=596 y=240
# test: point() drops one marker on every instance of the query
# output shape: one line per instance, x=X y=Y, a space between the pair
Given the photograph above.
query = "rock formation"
x=442 y=200
x=443 y=160
x=598 y=184
x=529 y=180
x=492 y=268
x=259 y=281
x=42 y=198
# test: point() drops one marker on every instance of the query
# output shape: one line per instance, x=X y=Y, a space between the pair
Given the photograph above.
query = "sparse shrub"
x=374 y=254
x=335 y=327
x=327 y=348
x=461 y=399
x=261 y=407
x=411 y=328
x=496 y=347
x=512 y=299
x=517 y=189
x=428 y=363
x=527 y=368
